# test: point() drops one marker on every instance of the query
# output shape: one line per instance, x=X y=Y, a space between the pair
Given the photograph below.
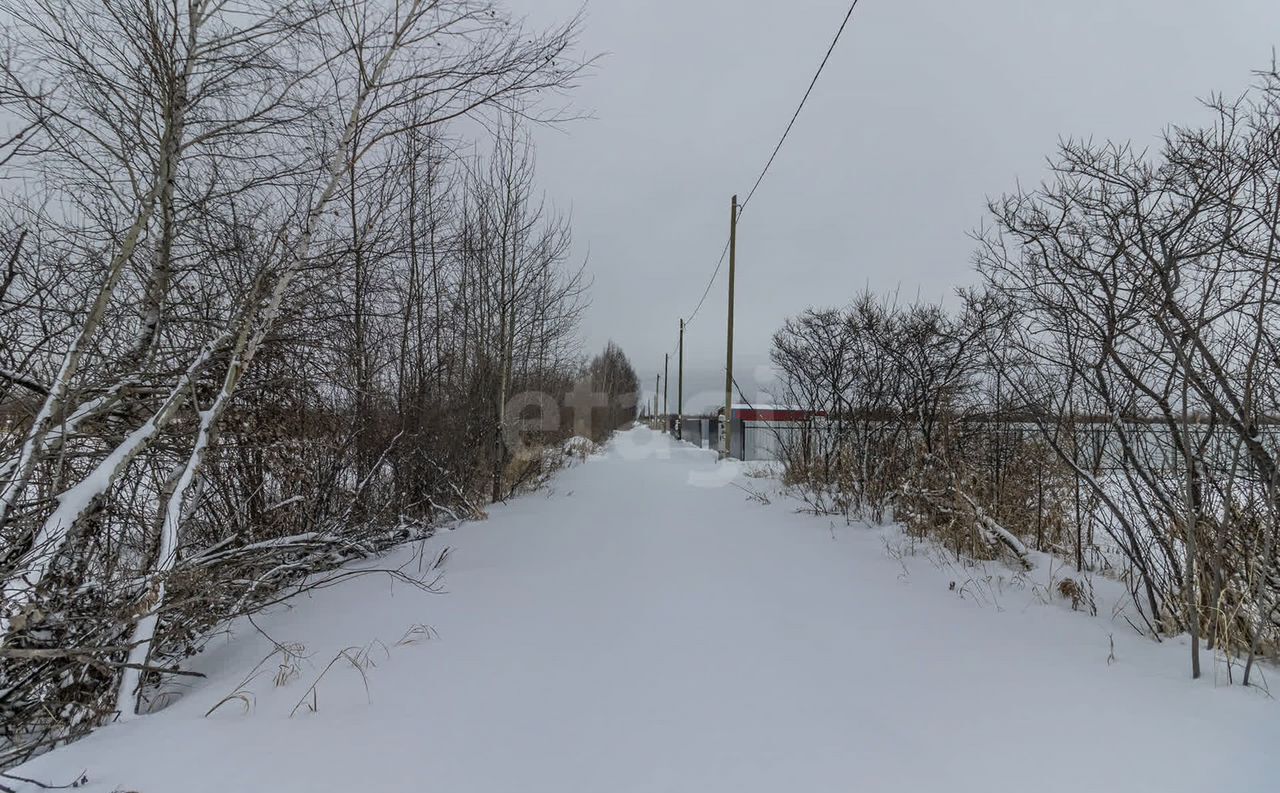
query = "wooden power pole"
x=657 y=388
x=680 y=387
x=728 y=364
x=666 y=380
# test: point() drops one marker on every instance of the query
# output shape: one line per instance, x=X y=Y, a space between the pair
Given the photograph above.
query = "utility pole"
x=657 y=387
x=680 y=388
x=728 y=364
x=666 y=380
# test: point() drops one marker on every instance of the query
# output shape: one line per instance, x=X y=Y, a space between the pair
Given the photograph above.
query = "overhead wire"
x=844 y=23
x=710 y=283
x=834 y=41
x=774 y=155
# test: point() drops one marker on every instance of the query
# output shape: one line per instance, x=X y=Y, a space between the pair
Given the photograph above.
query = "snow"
x=579 y=446
x=640 y=626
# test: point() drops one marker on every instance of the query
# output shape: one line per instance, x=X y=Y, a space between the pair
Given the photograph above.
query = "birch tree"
x=199 y=153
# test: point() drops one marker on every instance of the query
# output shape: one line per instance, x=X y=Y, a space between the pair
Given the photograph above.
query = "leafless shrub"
x=1107 y=395
x=257 y=319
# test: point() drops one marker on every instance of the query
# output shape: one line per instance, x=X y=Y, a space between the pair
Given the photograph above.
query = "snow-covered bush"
x=257 y=318
x=1108 y=394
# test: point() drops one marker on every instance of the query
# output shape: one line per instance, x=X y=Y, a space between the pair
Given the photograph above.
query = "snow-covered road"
x=644 y=627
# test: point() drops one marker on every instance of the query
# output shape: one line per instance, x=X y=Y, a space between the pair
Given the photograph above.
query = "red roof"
x=775 y=414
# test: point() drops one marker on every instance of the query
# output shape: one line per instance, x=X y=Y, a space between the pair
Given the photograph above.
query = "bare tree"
x=172 y=311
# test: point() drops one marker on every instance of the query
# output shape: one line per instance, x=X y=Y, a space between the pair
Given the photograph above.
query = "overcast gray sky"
x=926 y=108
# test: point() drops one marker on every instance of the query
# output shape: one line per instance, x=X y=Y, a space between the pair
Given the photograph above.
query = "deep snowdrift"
x=643 y=627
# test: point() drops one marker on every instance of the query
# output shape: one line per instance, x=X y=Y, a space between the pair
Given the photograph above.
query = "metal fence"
x=1151 y=443
x=701 y=431
x=752 y=440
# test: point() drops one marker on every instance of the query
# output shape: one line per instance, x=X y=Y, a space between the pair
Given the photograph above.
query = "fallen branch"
x=81 y=779
x=91 y=654
x=994 y=532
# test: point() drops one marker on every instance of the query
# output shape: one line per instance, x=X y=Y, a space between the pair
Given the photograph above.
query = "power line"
x=707 y=291
x=676 y=346
x=834 y=41
x=800 y=107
